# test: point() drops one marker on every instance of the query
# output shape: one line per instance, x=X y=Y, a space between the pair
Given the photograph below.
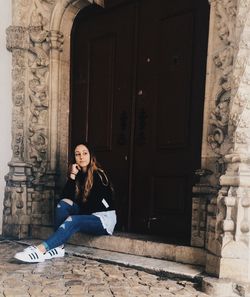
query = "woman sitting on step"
x=86 y=206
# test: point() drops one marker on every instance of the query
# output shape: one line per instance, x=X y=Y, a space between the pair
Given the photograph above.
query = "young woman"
x=86 y=206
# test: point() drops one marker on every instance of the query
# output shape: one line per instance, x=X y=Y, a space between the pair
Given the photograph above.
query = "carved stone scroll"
x=38 y=94
x=225 y=12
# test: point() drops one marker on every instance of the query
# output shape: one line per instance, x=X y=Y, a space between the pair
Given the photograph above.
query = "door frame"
x=62 y=21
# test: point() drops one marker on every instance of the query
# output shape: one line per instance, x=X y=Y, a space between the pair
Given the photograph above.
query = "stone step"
x=163 y=268
x=160 y=267
x=130 y=244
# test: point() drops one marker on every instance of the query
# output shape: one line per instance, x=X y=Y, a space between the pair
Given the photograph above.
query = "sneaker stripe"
x=30 y=255
x=55 y=253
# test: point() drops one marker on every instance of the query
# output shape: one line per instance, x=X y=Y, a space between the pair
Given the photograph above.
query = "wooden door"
x=101 y=100
x=137 y=96
x=169 y=108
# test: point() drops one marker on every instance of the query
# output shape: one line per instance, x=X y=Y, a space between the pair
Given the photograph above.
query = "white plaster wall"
x=5 y=99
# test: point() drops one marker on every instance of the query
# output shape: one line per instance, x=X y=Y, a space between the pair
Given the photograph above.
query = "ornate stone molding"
x=217 y=142
x=56 y=40
x=225 y=12
x=17 y=38
x=38 y=63
x=229 y=212
x=27 y=190
x=17 y=42
x=41 y=42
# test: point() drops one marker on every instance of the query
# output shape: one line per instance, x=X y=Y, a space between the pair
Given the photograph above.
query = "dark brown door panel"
x=138 y=75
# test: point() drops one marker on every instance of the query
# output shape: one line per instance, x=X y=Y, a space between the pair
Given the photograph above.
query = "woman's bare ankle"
x=41 y=248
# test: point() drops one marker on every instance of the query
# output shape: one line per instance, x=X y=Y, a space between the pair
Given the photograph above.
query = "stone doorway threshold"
x=162 y=268
x=134 y=245
x=211 y=286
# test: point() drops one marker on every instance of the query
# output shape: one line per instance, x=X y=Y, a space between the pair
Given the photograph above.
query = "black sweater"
x=100 y=197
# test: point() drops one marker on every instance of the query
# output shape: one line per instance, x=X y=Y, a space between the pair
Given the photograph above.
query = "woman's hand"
x=74 y=170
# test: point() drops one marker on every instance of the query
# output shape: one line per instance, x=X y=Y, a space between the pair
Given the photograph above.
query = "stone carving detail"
x=228 y=213
x=15 y=210
x=228 y=224
x=19 y=9
x=219 y=120
x=220 y=210
x=219 y=213
x=245 y=224
x=41 y=42
x=17 y=38
x=31 y=44
x=38 y=94
x=17 y=42
x=223 y=60
x=56 y=40
x=7 y=204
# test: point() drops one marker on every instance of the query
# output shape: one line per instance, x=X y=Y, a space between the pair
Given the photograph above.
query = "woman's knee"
x=71 y=223
x=66 y=200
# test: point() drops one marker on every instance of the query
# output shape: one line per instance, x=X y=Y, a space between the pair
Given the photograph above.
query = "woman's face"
x=82 y=156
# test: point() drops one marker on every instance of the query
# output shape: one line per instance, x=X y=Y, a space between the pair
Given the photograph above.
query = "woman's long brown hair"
x=83 y=187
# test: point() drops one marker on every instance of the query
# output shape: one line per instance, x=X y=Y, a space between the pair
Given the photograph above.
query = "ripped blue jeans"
x=68 y=221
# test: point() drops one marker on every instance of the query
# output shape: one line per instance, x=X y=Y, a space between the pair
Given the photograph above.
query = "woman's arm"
x=70 y=187
x=69 y=190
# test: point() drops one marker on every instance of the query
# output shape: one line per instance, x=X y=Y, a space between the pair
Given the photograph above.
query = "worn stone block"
x=212 y=264
x=36 y=219
x=198 y=238
x=184 y=254
x=218 y=288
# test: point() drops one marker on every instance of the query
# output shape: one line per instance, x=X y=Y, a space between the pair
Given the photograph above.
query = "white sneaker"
x=55 y=253
x=30 y=255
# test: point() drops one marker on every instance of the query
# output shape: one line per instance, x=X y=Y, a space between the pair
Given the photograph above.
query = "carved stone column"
x=55 y=39
x=36 y=44
x=30 y=183
x=16 y=209
x=216 y=141
x=228 y=227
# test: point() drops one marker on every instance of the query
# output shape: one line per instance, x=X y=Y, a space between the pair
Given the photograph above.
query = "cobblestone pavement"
x=75 y=276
